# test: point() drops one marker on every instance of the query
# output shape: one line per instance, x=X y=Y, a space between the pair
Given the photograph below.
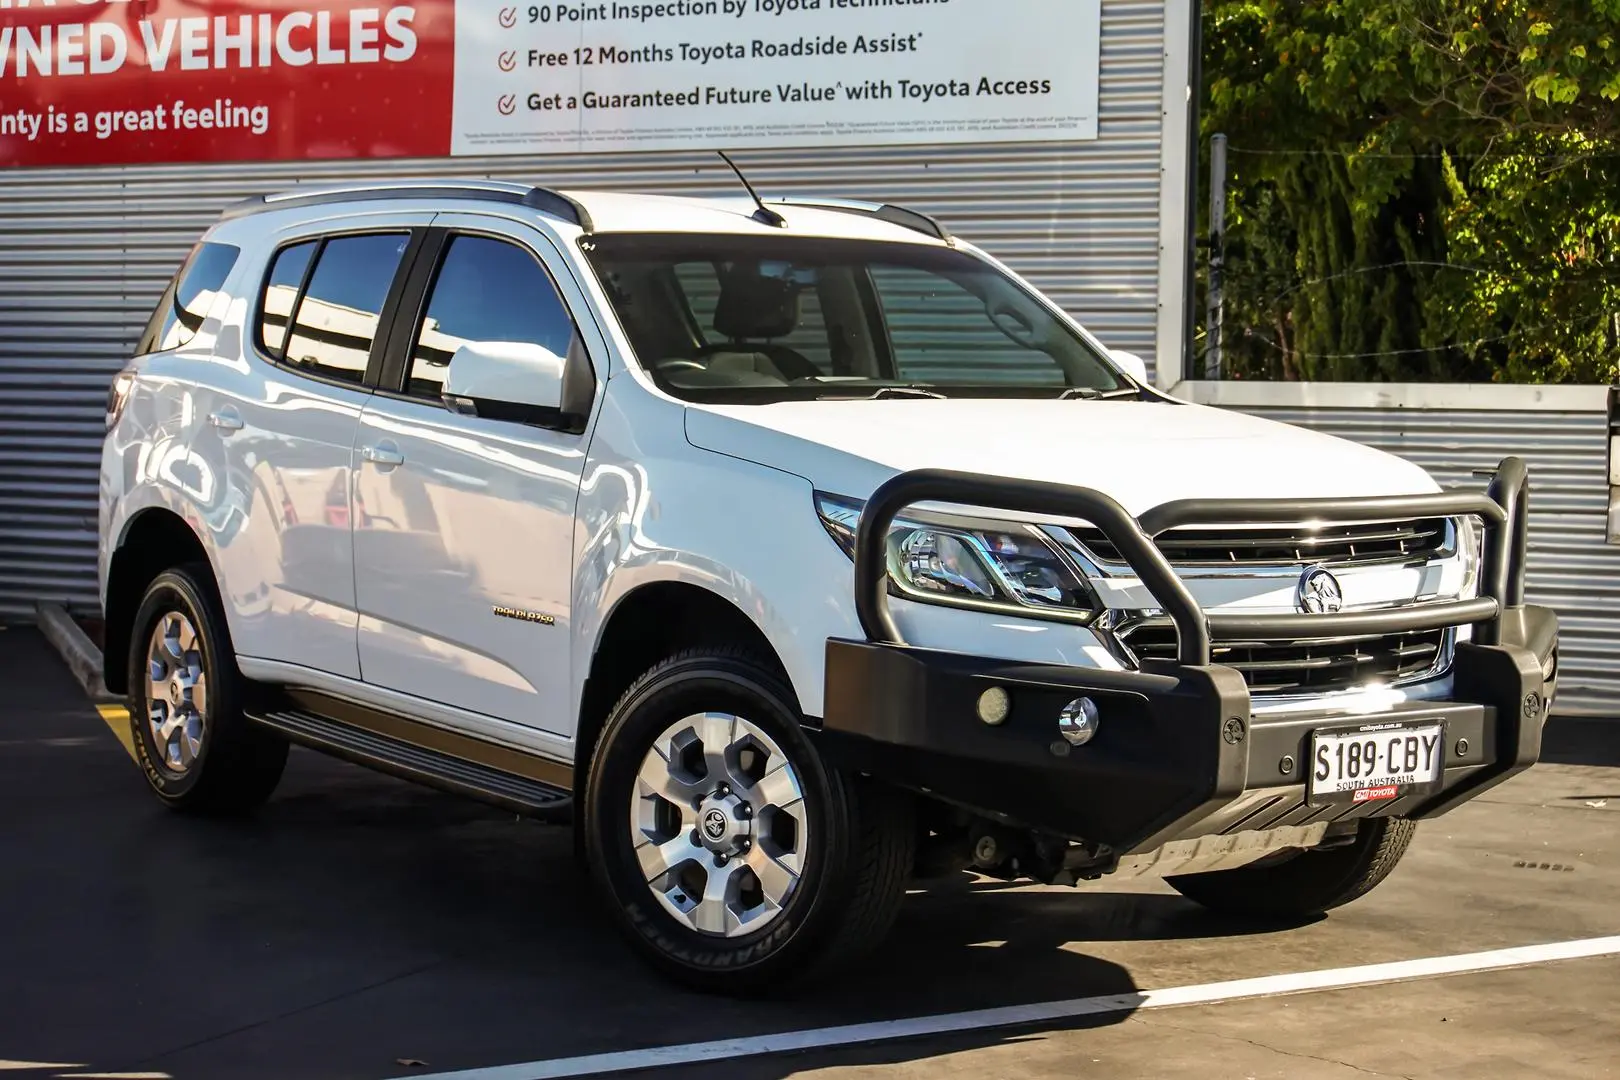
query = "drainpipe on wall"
x=1614 y=464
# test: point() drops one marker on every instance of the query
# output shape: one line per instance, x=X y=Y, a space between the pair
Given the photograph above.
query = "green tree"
x=1420 y=189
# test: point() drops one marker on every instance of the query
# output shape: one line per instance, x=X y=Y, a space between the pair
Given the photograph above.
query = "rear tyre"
x=1307 y=884
x=734 y=859
x=198 y=751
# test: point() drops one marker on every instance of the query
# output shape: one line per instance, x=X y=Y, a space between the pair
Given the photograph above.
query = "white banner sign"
x=718 y=74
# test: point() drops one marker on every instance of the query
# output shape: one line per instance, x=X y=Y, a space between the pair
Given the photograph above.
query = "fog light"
x=1077 y=722
x=994 y=705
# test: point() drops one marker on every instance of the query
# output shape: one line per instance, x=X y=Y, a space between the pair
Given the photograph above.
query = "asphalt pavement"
x=362 y=927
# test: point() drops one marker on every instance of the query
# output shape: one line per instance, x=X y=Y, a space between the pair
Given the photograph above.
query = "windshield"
x=759 y=319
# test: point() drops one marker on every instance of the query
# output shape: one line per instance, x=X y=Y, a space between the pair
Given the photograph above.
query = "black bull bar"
x=1192 y=747
x=1503 y=508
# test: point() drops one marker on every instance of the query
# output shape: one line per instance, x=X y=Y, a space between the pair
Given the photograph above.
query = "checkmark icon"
x=508 y=17
x=507 y=61
x=507 y=104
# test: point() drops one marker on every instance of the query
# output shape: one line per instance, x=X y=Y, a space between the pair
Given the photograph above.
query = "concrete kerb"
x=77 y=651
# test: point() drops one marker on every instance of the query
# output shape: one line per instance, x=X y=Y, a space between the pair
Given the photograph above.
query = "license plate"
x=1376 y=763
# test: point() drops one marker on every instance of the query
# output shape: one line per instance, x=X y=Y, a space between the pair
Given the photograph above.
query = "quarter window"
x=485 y=290
x=190 y=294
x=337 y=315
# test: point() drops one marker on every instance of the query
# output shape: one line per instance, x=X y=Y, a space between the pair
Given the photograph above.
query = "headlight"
x=969 y=562
x=1470 y=549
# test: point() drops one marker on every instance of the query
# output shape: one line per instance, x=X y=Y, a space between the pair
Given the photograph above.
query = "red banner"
x=90 y=82
x=87 y=82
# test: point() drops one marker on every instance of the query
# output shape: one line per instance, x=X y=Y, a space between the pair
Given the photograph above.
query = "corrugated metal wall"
x=1572 y=568
x=84 y=254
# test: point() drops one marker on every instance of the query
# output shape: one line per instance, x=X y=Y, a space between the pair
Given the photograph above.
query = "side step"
x=410 y=761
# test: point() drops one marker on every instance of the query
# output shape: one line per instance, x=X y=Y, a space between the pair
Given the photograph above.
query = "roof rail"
x=535 y=198
x=894 y=215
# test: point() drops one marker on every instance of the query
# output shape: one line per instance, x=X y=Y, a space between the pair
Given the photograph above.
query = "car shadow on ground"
x=960 y=943
x=357 y=920
x=517 y=899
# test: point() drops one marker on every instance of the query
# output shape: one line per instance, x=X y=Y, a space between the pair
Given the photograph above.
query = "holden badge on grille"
x=1319 y=592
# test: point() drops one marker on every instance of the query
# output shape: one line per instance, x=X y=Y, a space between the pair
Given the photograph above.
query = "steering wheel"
x=681 y=364
x=790 y=362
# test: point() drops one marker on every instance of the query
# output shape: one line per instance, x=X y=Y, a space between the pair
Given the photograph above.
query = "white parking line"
x=1047 y=1012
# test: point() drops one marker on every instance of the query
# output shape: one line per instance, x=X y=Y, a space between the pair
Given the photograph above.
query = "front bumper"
x=1179 y=752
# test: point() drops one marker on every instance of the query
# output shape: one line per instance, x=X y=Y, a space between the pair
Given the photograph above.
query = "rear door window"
x=185 y=303
x=339 y=310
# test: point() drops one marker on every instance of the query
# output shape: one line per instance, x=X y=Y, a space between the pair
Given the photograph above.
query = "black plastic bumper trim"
x=1179 y=751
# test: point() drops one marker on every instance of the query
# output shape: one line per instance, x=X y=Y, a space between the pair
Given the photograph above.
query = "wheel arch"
x=153 y=540
x=647 y=624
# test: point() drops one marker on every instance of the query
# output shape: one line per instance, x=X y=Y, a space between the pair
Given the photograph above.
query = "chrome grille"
x=1309 y=667
x=1331 y=545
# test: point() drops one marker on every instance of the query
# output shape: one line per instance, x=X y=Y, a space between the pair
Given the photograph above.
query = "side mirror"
x=506 y=380
x=1134 y=365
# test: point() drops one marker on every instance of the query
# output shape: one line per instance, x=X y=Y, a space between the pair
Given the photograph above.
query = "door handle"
x=383 y=455
x=226 y=418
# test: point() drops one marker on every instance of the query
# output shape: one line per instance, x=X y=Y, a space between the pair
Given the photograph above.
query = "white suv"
x=792 y=550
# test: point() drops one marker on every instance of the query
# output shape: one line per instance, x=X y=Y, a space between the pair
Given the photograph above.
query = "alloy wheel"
x=719 y=824
x=176 y=691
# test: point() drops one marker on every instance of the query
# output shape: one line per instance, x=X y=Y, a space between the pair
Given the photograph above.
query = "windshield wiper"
x=1088 y=393
x=903 y=392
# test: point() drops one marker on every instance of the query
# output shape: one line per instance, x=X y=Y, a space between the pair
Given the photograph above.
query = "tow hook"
x=989 y=851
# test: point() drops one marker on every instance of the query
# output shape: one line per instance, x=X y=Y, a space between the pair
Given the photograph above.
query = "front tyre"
x=1307 y=884
x=734 y=859
x=196 y=748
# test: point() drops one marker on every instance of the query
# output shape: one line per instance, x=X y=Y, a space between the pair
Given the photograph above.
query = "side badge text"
x=525 y=616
